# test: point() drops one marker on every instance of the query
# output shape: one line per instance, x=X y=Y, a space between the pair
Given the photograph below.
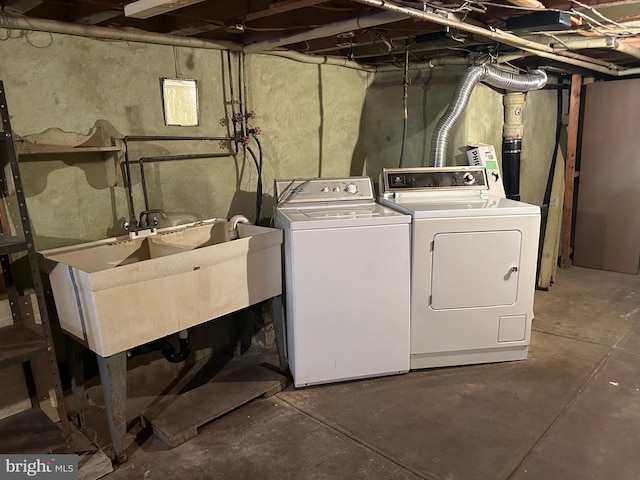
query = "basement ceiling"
x=592 y=32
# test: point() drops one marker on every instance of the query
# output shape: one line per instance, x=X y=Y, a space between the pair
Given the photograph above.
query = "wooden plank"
x=15 y=396
x=274 y=9
x=549 y=258
x=607 y=227
x=28 y=432
x=570 y=166
x=177 y=421
x=11 y=244
x=19 y=344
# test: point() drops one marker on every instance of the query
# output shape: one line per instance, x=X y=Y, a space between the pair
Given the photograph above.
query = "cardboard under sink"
x=120 y=293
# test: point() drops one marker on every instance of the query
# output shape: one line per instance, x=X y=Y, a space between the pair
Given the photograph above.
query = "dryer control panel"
x=439 y=178
x=324 y=190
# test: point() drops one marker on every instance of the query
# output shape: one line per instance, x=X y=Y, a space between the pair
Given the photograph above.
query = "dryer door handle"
x=514 y=269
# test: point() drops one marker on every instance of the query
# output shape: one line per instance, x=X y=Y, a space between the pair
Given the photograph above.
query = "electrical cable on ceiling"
x=405 y=97
x=594 y=24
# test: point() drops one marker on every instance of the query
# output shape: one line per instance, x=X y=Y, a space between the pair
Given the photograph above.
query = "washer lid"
x=457 y=207
x=339 y=216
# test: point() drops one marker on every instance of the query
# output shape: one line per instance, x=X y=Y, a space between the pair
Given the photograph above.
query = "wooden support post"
x=570 y=167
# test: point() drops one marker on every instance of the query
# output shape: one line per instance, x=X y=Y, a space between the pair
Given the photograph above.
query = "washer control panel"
x=428 y=178
x=324 y=190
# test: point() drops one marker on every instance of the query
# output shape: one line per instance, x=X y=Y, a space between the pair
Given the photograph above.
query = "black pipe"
x=258 y=165
x=176 y=357
x=188 y=156
x=155 y=138
x=152 y=138
x=167 y=349
x=132 y=211
x=552 y=169
x=511 y=150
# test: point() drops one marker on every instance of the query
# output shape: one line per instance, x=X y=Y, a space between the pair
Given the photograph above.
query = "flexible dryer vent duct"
x=483 y=73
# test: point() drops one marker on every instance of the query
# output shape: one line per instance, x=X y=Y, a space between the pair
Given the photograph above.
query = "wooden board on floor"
x=549 y=259
x=93 y=463
x=177 y=420
x=570 y=168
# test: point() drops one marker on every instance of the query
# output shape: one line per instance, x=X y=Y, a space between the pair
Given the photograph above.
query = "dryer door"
x=475 y=269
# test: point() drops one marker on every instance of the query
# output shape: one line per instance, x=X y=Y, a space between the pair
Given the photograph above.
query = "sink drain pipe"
x=482 y=73
x=166 y=348
x=185 y=348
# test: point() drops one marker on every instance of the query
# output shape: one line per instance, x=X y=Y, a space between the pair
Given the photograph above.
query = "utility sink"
x=119 y=293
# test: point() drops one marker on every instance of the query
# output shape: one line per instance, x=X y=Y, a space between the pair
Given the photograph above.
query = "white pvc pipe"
x=320 y=60
x=327 y=31
x=54 y=26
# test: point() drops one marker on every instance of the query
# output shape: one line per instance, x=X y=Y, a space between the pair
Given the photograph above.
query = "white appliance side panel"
x=348 y=302
x=475 y=269
x=462 y=329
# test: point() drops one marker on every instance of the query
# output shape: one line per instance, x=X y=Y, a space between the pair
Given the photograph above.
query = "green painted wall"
x=309 y=116
x=317 y=120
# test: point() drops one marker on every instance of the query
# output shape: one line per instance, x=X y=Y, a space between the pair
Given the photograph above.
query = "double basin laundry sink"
x=119 y=293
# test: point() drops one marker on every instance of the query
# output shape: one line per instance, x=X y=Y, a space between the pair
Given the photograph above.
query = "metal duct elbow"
x=515 y=82
x=486 y=74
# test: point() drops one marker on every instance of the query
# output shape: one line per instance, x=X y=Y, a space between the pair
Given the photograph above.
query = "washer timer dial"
x=351 y=188
x=469 y=179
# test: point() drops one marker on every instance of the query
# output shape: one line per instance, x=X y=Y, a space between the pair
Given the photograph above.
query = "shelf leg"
x=113 y=375
x=279 y=323
x=76 y=360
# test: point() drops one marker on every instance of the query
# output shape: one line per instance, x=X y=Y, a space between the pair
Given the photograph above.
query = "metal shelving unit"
x=20 y=343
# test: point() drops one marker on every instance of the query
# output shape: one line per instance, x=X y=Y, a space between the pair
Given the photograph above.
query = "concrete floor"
x=571 y=410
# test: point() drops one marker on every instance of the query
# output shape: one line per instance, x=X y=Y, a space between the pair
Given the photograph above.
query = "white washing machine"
x=473 y=266
x=347 y=283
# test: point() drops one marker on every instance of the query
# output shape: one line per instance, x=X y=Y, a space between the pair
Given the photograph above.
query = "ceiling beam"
x=328 y=30
x=538 y=49
x=281 y=7
x=99 y=17
x=150 y=8
x=274 y=9
x=20 y=7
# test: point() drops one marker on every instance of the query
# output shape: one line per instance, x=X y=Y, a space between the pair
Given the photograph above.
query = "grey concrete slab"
x=474 y=422
x=631 y=339
x=263 y=439
x=598 y=436
x=588 y=304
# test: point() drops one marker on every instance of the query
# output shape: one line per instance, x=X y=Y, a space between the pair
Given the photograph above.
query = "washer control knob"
x=324 y=189
x=495 y=176
x=468 y=178
x=351 y=188
x=336 y=189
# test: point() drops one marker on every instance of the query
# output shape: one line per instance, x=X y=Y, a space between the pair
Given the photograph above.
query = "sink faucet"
x=146 y=222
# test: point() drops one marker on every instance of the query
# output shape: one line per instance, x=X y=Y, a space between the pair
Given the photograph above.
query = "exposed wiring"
x=557 y=39
x=591 y=9
x=288 y=191
x=593 y=24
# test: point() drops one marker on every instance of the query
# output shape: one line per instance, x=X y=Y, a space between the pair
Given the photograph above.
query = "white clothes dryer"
x=473 y=269
x=347 y=274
